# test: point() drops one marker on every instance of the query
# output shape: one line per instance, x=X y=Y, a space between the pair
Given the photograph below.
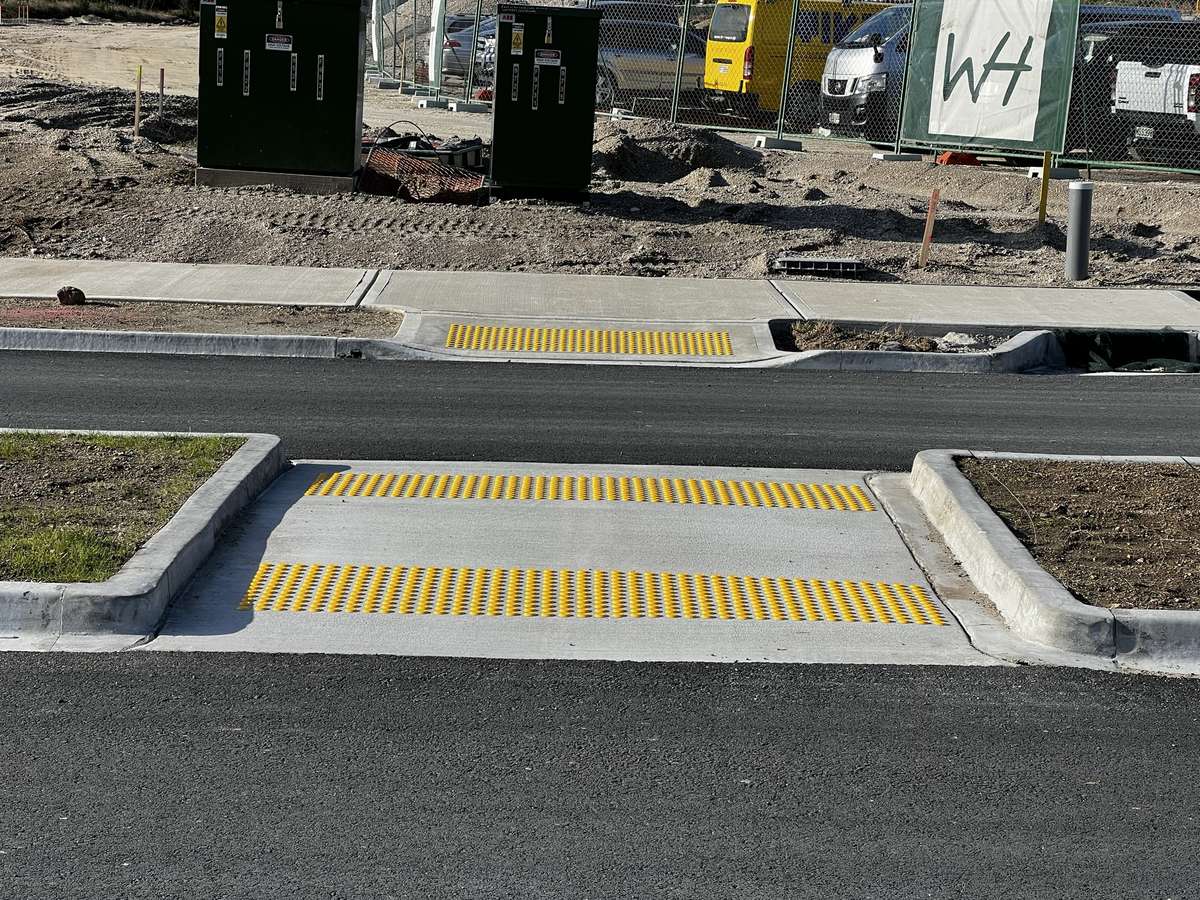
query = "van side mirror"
x=876 y=40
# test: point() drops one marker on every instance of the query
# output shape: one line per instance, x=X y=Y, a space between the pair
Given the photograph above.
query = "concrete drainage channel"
x=1059 y=351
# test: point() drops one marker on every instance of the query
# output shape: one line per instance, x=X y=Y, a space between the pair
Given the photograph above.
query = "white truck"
x=1156 y=94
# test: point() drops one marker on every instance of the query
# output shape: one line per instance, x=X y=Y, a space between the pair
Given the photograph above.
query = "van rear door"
x=728 y=43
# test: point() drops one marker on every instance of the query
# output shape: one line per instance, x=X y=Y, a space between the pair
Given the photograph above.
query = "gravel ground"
x=817 y=335
x=1115 y=535
x=208 y=318
x=666 y=202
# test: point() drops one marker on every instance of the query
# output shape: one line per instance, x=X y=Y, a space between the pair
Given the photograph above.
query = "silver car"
x=457 y=44
x=639 y=59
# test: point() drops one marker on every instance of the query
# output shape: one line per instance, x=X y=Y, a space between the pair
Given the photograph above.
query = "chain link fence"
x=830 y=68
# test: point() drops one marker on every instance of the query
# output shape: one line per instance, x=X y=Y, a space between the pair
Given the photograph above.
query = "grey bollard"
x=1079 y=229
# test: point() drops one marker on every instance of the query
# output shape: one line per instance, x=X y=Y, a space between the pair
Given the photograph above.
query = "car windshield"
x=730 y=23
x=886 y=24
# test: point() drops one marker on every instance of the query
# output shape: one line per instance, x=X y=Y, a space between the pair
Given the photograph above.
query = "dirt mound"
x=658 y=152
x=167 y=129
x=54 y=105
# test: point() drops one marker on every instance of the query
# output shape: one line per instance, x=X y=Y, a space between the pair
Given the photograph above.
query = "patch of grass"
x=77 y=507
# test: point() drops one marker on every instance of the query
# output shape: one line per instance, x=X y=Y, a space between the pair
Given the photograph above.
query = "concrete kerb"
x=196 y=344
x=134 y=600
x=1024 y=351
x=1035 y=605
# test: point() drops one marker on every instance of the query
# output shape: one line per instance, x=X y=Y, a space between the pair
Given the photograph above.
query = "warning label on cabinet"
x=547 y=57
x=518 y=39
x=221 y=22
x=279 y=42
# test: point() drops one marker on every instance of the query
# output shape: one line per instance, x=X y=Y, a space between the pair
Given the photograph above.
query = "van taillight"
x=1194 y=93
x=748 y=63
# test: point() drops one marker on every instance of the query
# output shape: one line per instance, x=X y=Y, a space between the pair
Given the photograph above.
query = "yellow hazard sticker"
x=221 y=22
x=518 y=39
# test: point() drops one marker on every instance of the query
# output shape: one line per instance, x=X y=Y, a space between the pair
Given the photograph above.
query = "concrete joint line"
x=370 y=276
x=1035 y=605
x=134 y=600
x=784 y=297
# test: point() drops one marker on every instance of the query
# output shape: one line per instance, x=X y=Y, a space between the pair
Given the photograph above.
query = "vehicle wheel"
x=606 y=90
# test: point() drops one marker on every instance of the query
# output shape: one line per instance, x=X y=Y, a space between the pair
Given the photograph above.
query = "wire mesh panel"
x=637 y=64
x=848 y=77
x=833 y=67
x=739 y=73
x=1135 y=98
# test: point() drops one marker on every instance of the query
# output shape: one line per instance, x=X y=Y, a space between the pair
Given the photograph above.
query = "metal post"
x=395 y=39
x=1079 y=229
x=787 y=69
x=471 y=62
x=415 y=55
x=162 y=89
x=679 y=58
x=137 y=105
x=912 y=29
x=1043 y=201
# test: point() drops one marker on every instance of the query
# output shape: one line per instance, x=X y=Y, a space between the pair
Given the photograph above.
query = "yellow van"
x=747 y=51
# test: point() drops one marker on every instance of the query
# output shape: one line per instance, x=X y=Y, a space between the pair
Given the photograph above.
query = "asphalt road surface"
x=145 y=775
x=351 y=409
x=219 y=776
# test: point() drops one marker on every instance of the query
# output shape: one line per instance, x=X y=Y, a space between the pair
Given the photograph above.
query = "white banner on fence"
x=988 y=81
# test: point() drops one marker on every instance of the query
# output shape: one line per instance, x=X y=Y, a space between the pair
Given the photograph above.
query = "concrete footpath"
x=596 y=318
x=604 y=297
x=568 y=562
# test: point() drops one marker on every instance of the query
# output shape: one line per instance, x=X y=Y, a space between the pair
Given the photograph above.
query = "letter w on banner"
x=988 y=79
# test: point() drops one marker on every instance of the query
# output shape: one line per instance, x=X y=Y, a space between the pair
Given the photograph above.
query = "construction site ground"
x=209 y=318
x=666 y=201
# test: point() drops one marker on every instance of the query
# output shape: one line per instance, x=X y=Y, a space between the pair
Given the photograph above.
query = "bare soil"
x=666 y=201
x=205 y=318
x=1116 y=535
x=77 y=507
x=819 y=335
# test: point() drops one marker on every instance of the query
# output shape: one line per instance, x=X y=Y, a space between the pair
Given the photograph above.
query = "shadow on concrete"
x=211 y=603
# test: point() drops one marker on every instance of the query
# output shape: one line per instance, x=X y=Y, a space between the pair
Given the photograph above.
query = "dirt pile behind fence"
x=652 y=151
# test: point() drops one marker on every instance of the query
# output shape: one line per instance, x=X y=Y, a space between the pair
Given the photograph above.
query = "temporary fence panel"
x=1136 y=92
x=835 y=68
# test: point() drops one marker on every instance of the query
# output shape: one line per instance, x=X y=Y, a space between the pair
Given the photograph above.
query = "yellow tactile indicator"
x=523 y=339
x=582 y=594
x=618 y=488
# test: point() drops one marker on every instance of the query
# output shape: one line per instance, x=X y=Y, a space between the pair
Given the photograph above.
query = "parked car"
x=747 y=52
x=640 y=59
x=864 y=74
x=1156 y=92
x=1092 y=129
x=639 y=10
x=457 y=47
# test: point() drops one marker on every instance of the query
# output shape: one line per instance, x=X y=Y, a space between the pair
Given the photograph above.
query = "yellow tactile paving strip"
x=582 y=594
x=522 y=339
x=613 y=488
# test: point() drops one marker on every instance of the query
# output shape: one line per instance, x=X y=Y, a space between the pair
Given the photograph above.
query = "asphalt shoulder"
x=153 y=775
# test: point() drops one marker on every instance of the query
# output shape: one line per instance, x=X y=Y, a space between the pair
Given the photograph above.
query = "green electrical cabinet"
x=281 y=93
x=544 y=101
